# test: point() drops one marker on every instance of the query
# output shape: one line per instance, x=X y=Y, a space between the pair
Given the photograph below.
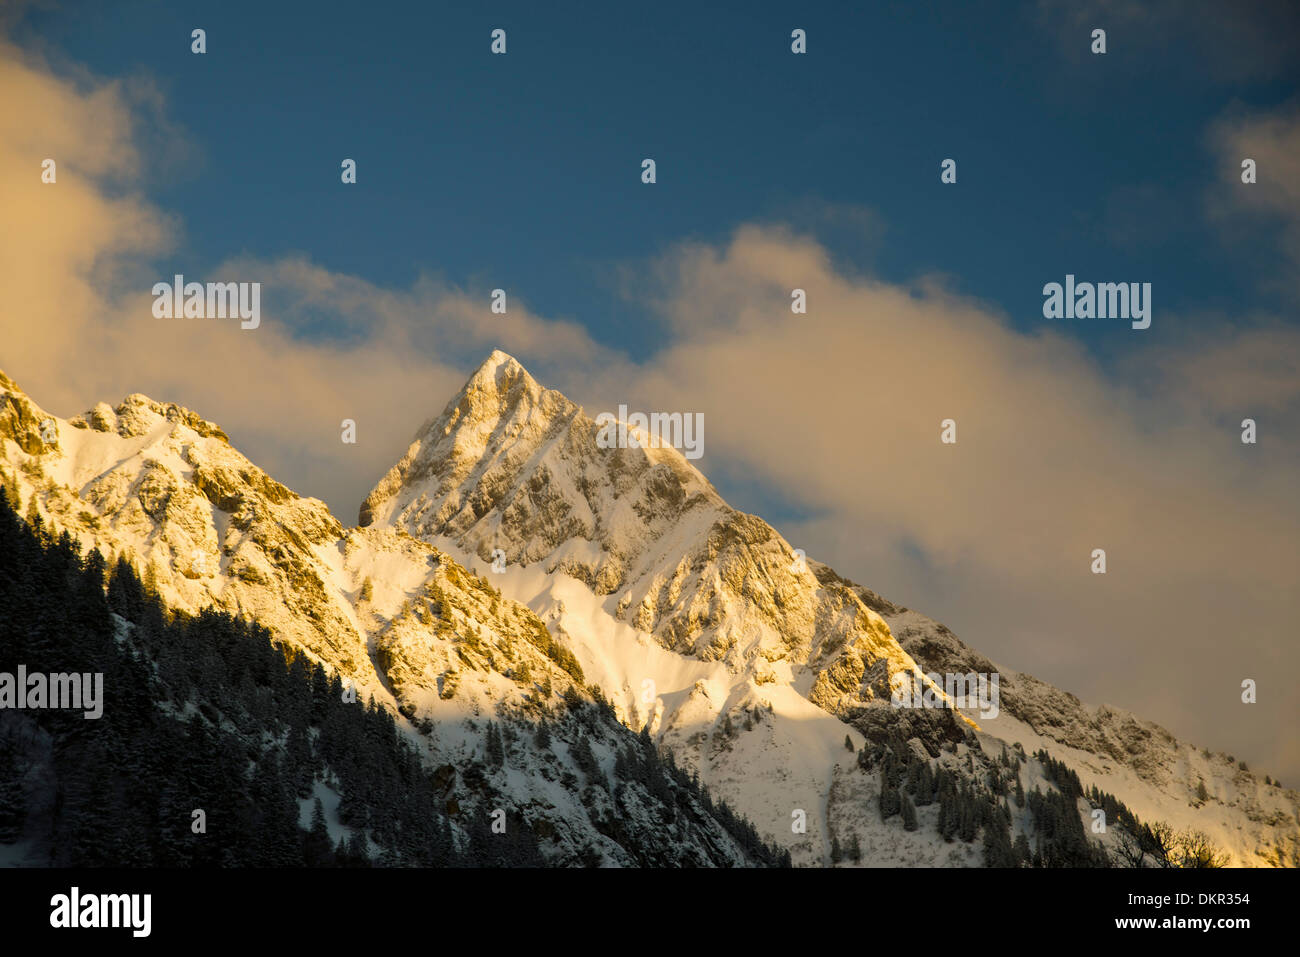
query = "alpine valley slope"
x=402 y=622
x=751 y=664
x=624 y=570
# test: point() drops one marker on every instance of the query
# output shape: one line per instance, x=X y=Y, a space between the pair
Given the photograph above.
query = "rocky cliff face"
x=158 y=483
x=396 y=618
x=514 y=471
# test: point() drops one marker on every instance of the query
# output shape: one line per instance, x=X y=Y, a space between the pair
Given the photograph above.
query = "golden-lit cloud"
x=1272 y=139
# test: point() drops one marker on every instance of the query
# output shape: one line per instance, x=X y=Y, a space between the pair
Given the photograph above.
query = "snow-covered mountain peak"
x=497 y=367
x=628 y=552
x=498 y=387
x=502 y=426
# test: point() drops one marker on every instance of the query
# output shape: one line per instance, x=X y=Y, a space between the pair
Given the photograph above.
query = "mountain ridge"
x=760 y=663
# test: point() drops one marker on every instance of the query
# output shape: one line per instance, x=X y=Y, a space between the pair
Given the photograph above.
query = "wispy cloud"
x=1245 y=41
x=1246 y=211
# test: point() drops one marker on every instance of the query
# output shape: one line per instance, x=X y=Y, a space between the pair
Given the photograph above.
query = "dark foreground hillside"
x=207 y=714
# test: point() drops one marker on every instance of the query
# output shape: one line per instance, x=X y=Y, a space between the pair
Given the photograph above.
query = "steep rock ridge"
x=164 y=486
x=512 y=469
x=159 y=484
x=442 y=630
x=394 y=617
x=1157 y=775
x=697 y=620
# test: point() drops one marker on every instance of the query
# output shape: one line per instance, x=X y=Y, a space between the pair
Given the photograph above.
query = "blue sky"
x=522 y=171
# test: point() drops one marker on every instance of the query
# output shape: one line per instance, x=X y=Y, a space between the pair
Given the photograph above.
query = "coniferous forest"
x=979 y=804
